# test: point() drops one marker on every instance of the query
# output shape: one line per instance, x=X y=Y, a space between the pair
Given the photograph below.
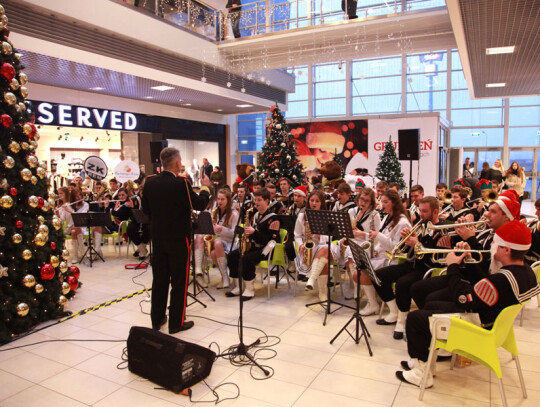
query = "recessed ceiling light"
x=500 y=50
x=244 y=106
x=219 y=110
x=495 y=85
x=97 y=88
x=149 y=97
x=186 y=104
x=162 y=88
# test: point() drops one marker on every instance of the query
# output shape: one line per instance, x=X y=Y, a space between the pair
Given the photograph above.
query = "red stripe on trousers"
x=187 y=280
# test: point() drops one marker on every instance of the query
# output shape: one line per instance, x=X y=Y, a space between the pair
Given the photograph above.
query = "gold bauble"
x=14 y=84
x=51 y=202
x=26 y=174
x=17 y=109
x=25 y=145
x=65 y=254
x=40 y=239
x=55 y=261
x=9 y=162
x=27 y=254
x=14 y=147
x=43 y=165
x=22 y=309
x=46 y=206
x=6 y=48
x=32 y=161
x=44 y=229
x=6 y=202
x=33 y=201
x=41 y=173
x=16 y=238
x=22 y=106
x=33 y=180
x=23 y=78
x=56 y=222
x=41 y=219
x=65 y=288
x=10 y=98
x=2 y=10
x=24 y=91
x=18 y=55
x=33 y=144
x=27 y=129
x=39 y=288
x=62 y=300
x=63 y=267
x=37 y=136
x=4 y=19
x=29 y=281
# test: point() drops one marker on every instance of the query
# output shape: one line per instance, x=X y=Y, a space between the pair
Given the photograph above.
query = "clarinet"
x=372 y=227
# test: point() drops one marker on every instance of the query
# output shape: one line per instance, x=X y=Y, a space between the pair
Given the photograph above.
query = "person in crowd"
x=185 y=174
x=497 y=171
x=394 y=186
x=417 y=193
x=533 y=255
x=458 y=209
x=234 y=8
x=168 y=200
x=274 y=205
x=512 y=283
x=242 y=201
x=194 y=171
x=285 y=193
x=344 y=201
x=299 y=195
x=265 y=227
x=113 y=187
x=217 y=178
x=206 y=168
x=258 y=185
x=515 y=179
x=76 y=205
x=349 y=7
x=359 y=186
x=468 y=168
x=439 y=189
x=486 y=172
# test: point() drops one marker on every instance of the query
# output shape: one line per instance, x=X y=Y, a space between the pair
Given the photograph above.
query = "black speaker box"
x=155 y=149
x=167 y=361
x=409 y=144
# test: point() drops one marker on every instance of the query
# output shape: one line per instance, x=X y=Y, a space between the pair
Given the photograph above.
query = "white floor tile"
x=40 y=396
x=312 y=397
x=105 y=366
x=32 y=367
x=126 y=397
x=11 y=385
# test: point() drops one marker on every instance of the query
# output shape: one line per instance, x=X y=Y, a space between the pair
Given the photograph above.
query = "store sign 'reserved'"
x=57 y=114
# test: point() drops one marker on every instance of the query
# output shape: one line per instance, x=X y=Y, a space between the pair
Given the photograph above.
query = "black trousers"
x=138 y=234
x=235 y=21
x=429 y=290
x=289 y=250
x=249 y=263
x=351 y=8
x=170 y=264
x=404 y=275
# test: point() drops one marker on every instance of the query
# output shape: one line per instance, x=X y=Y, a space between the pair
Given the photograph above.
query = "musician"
x=243 y=200
x=76 y=205
x=480 y=206
x=285 y=194
x=113 y=187
x=274 y=205
x=102 y=204
x=417 y=193
x=258 y=185
x=265 y=228
x=404 y=275
x=458 y=209
x=344 y=201
x=440 y=188
x=513 y=283
x=364 y=218
x=168 y=201
x=199 y=239
x=359 y=186
x=533 y=255
x=380 y=188
x=99 y=191
x=298 y=207
x=316 y=202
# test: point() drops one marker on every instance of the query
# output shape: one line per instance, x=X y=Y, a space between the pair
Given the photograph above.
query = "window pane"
x=329 y=72
x=297 y=109
x=426 y=101
x=525 y=116
x=534 y=100
x=300 y=74
x=523 y=158
x=426 y=83
x=376 y=104
x=251 y=128
x=377 y=86
x=477 y=117
x=461 y=99
x=252 y=116
x=300 y=93
x=330 y=107
x=458 y=80
x=487 y=157
x=251 y=143
x=477 y=138
x=376 y=67
x=425 y=4
x=426 y=63
x=524 y=136
x=329 y=90
x=247 y=159
x=456 y=60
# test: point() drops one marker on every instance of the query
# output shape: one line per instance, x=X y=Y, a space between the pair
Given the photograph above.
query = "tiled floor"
x=308 y=370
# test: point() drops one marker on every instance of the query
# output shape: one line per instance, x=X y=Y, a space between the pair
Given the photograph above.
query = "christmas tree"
x=389 y=167
x=34 y=274
x=337 y=159
x=278 y=157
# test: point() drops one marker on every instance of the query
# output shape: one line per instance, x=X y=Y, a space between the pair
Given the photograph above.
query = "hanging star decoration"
x=3 y=271
x=2 y=231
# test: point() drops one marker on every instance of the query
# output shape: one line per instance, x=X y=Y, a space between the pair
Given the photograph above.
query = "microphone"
x=245 y=179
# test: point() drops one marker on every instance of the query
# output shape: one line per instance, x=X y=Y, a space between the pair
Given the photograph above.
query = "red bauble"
x=33 y=129
x=6 y=120
x=19 y=224
x=75 y=271
x=7 y=71
x=13 y=191
x=53 y=245
x=47 y=272
x=73 y=282
x=41 y=202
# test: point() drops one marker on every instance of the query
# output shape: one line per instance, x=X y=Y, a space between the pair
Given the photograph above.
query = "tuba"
x=309 y=245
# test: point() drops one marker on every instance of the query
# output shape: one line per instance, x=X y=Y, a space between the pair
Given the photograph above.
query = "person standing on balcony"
x=349 y=7
x=234 y=7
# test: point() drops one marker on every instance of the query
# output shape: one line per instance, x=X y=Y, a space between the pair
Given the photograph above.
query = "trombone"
x=443 y=228
x=439 y=255
x=396 y=251
x=490 y=197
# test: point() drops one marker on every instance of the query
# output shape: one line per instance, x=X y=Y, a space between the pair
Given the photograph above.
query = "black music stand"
x=361 y=258
x=88 y=220
x=142 y=219
x=203 y=226
x=335 y=225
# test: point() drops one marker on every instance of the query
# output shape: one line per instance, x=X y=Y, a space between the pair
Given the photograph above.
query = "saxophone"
x=245 y=244
x=309 y=245
x=372 y=227
x=209 y=239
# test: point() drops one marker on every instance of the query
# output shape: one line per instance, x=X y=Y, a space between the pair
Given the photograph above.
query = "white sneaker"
x=415 y=375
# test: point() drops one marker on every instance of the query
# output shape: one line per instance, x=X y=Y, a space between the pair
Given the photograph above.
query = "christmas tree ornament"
x=13 y=191
x=65 y=254
x=74 y=270
x=55 y=261
x=65 y=288
x=4 y=21
x=6 y=202
x=51 y=202
x=9 y=97
x=63 y=267
x=19 y=224
x=46 y=206
x=9 y=162
x=43 y=228
x=29 y=129
x=16 y=238
x=33 y=144
x=26 y=174
x=73 y=282
x=7 y=48
x=2 y=233
x=8 y=72
x=4 y=184
x=24 y=91
x=23 y=78
x=62 y=301
x=41 y=173
x=41 y=203
x=283 y=145
x=56 y=222
x=3 y=271
x=39 y=288
x=6 y=120
x=14 y=147
x=26 y=254
x=22 y=106
x=229 y=84
x=278 y=126
x=41 y=219
x=29 y=281
x=40 y=239
x=276 y=170
x=25 y=145
x=32 y=161
x=2 y=10
x=33 y=201
x=47 y=272
x=43 y=165
x=22 y=309
x=33 y=180
x=53 y=246
x=15 y=84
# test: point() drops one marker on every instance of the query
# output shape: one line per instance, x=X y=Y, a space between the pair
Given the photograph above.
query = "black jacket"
x=230 y=5
x=165 y=200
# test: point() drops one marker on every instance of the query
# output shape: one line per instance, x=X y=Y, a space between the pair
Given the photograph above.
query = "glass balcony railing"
x=267 y=16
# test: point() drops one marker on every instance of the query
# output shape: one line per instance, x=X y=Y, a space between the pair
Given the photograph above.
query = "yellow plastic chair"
x=536 y=268
x=479 y=344
x=115 y=236
x=277 y=260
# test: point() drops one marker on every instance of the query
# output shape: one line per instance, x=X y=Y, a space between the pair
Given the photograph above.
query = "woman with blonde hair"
x=497 y=171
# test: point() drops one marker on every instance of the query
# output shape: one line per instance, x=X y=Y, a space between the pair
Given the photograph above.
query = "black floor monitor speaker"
x=155 y=149
x=168 y=361
x=409 y=144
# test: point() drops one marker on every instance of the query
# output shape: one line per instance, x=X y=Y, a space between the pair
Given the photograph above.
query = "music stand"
x=203 y=226
x=142 y=219
x=88 y=220
x=361 y=258
x=335 y=225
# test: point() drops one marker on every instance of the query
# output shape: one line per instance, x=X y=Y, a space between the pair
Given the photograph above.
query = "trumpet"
x=439 y=255
x=443 y=228
x=490 y=197
x=399 y=247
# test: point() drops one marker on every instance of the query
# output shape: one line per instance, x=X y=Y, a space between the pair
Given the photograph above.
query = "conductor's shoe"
x=163 y=322
x=187 y=325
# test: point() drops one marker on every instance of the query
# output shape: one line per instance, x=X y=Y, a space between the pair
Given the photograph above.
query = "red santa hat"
x=509 y=204
x=300 y=190
x=515 y=235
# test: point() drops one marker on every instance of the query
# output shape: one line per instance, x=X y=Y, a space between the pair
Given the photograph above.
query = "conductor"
x=168 y=200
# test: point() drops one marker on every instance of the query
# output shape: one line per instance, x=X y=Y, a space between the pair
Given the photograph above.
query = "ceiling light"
x=244 y=106
x=186 y=104
x=500 y=50
x=162 y=88
x=219 y=110
x=496 y=85
x=149 y=97
x=97 y=88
